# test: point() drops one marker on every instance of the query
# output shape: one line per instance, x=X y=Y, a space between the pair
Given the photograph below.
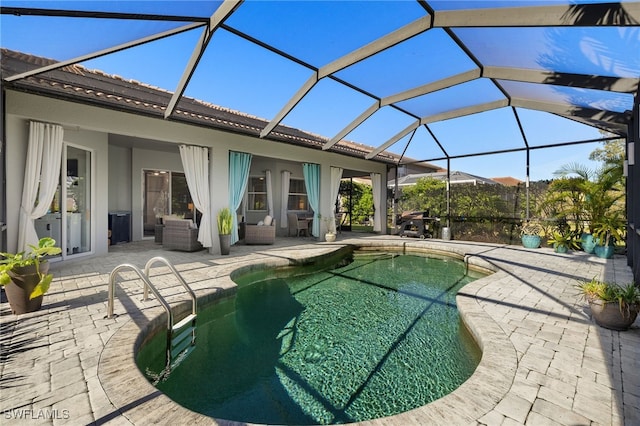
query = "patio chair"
x=180 y=234
x=297 y=225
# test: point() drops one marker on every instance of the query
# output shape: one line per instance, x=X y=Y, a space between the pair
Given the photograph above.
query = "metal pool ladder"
x=181 y=337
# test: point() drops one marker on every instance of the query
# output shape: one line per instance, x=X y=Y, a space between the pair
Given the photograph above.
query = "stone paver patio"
x=544 y=360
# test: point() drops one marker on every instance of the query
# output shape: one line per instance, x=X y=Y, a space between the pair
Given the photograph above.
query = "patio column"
x=527 y=180
x=396 y=198
x=633 y=190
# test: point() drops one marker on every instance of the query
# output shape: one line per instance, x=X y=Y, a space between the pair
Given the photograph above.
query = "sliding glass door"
x=69 y=218
x=165 y=193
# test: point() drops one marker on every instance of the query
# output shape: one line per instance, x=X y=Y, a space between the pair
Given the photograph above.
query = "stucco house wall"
x=118 y=168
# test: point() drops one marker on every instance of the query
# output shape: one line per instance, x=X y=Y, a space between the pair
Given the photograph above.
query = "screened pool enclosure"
x=453 y=83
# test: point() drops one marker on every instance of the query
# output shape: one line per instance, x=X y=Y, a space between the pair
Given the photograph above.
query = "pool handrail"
x=145 y=279
x=147 y=268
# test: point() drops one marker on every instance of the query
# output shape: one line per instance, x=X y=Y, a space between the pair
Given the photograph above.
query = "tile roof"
x=507 y=181
x=456 y=177
x=79 y=84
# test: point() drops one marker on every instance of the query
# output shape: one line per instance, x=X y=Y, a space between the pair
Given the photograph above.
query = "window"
x=257 y=194
x=297 y=195
x=181 y=203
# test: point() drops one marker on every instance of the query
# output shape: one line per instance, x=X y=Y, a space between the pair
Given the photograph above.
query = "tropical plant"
x=12 y=262
x=565 y=199
x=225 y=221
x=625 y=295
x=564 y=239
x=531 y=227
x=590 y=195
x=608 y=229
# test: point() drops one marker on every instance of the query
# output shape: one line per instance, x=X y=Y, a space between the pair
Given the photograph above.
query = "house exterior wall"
x=19 y=111
x=119 y=178
x=92 y=127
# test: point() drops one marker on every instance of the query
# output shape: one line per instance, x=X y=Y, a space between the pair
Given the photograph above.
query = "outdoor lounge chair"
x=260 y=234
x=180 y=234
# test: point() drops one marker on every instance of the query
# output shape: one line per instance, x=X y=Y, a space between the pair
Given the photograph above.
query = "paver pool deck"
x=544 y=362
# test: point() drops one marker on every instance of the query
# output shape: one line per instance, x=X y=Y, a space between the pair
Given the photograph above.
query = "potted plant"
x=330 y=225
x=25 y=275
x=530 y=234
x=606 y=231
x=590 y=198
x=563 y=242
x=613 y=306
x=225 y=223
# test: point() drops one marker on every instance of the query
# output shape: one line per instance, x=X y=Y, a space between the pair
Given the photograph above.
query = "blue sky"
x=246 y=77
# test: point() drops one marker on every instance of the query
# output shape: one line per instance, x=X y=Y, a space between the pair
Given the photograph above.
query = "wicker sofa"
x=179 y=234
x=260 y=234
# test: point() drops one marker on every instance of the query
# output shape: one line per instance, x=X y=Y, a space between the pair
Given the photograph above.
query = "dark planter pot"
x=531 y=241
x=225 y=244
x=588 y=243
x=23 y=281
x=604 y=252
x=609 y=315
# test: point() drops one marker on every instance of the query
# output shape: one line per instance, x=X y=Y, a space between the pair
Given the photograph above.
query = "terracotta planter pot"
x=609 y=315
x=23 y=281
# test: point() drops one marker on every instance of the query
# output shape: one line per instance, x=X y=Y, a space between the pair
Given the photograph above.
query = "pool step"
x=183 y=322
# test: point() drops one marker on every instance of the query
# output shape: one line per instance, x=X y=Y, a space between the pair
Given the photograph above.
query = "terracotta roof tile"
x=507 y=181
x=79 y=84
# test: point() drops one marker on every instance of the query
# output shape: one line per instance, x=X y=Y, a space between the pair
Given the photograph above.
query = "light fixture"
x=631 y=153
x=625 y=168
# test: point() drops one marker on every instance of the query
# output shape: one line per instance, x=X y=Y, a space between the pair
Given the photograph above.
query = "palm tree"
x=600 y=194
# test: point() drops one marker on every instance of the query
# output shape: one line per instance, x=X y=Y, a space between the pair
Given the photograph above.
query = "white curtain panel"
x=269 y=192
x=336 y=177
x=286 y=176
x=195 y=161
x=376 y=182
x=41 y=178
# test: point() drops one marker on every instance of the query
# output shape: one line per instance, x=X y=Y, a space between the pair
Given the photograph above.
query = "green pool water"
x=366 y=339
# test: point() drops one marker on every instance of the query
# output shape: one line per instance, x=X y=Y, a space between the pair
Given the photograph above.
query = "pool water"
x=375 y=337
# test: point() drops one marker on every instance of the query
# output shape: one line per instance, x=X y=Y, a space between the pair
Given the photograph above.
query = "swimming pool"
x=316 y=345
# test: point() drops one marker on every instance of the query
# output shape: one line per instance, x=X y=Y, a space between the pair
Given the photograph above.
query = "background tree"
x=361 y=200
x=611 y=152
x=363 y=208
x=480 y=201
x=427 y=194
